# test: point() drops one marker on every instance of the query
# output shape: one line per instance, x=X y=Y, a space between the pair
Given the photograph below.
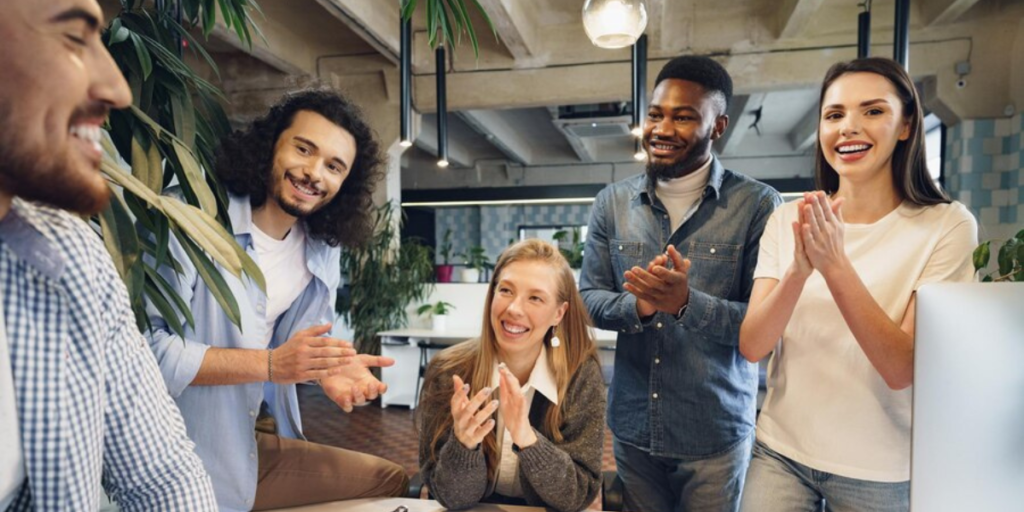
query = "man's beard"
x=690 y=163
x=277 y=195
x=47 y=176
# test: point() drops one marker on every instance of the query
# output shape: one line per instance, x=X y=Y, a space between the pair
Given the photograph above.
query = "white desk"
x=403 y=346
x=410 y=504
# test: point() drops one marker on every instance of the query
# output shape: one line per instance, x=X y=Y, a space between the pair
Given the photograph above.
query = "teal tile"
x=1007 y=214
x=970 y=181
x=984 y=128
x=1010 y=180
x=976 y=146
x=981 y=198
x=982 y=163
x=1013 y=144
x=1020 y=195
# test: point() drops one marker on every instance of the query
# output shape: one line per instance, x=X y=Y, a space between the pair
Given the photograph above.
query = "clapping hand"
x=309 y=355
x=355 y=383
x=515 y=410
x=822 y=232
x=471 y=418
x=659 y=288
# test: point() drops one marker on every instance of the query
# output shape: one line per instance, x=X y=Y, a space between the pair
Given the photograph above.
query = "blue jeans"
x=776 y=483
x=662 y=484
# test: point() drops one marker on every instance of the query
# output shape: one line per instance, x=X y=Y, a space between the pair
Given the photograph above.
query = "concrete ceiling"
x=503 y=105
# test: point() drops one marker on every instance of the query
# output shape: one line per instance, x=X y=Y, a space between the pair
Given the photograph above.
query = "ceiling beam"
x=515 y=27
x=741 y=116
x=376 y=22
x=458 y=154
x=803 y=135
x=496 y=128
x=941 y=12
x=794 y=15
x=607 y=82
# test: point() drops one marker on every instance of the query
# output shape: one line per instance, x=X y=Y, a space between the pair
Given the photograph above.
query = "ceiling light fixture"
x=614 y=23
x=442 y=106
x=405 y=72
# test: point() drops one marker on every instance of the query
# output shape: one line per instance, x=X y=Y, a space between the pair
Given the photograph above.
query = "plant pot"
x=470 y=275
x=439 y=323
x=443 y=273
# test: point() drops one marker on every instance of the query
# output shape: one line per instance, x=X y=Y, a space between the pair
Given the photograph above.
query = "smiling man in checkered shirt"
x=82 y=402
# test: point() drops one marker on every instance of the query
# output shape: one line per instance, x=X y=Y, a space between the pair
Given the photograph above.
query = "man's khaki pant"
x=294 y=472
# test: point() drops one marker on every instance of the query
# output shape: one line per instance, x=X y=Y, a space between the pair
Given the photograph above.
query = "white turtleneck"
x=681 y=196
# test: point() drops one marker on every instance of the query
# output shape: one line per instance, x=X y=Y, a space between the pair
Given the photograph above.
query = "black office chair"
x=424 y=346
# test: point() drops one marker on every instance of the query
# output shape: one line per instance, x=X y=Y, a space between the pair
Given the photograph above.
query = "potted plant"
x=438 y=313
x=476 y=263
x=443 y=271
x=573 y=252
x=1009 y=261
x=383 y=278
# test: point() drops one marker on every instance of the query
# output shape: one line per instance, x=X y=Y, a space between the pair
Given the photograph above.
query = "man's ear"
x=721 y=125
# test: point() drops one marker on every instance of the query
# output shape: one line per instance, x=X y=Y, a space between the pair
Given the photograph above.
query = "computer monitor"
x=968 y=426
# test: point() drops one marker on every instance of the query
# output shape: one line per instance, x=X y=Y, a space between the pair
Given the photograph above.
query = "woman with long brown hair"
x=833 y=301
x=538 y=439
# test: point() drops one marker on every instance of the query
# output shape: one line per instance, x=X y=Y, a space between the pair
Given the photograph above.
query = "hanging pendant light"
x=614 y=23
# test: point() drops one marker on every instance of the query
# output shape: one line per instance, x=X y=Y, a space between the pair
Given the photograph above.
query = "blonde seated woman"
x=517 y=415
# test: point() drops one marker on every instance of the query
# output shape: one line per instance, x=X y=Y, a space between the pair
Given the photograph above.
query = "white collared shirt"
x=12 y=460
x=543 y=380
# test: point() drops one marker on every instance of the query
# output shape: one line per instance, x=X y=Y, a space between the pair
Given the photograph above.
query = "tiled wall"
x=984 y=169
x=493 y=226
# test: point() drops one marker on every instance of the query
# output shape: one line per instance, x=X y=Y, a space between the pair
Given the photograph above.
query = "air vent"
x=596 y=130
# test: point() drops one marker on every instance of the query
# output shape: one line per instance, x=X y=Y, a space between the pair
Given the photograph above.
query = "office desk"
x=390 y=504
x=408 y=347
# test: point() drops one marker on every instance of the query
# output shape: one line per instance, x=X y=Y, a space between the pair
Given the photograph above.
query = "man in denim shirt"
x=300 y=180
x=668 y=263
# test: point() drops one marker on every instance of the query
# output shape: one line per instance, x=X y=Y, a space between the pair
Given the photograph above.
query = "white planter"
x=470 y=275
x=439 y=323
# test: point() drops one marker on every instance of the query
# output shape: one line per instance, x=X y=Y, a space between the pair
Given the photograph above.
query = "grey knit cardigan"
x=563 y=476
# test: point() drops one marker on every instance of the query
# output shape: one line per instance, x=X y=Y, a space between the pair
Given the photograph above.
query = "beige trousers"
x=294 y=472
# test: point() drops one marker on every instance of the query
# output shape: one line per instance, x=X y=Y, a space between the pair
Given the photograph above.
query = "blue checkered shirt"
x=92 y=407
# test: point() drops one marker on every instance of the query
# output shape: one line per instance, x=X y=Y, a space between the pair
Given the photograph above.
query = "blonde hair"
x=474 y=360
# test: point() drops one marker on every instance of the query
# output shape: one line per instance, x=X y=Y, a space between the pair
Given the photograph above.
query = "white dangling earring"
x=555 y=342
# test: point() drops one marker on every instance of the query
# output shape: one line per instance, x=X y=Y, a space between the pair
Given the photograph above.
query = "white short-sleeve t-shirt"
x=12 y=461
x=284 y=267
x=827 y=407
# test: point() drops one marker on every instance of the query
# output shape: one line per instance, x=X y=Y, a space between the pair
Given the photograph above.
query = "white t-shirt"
x=542 y=380
x=12 y=460
x=827 y=407
x=283 y=263
x=681 y=196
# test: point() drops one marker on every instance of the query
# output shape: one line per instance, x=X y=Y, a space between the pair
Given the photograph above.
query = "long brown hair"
x=910 y=175
x=474 y=360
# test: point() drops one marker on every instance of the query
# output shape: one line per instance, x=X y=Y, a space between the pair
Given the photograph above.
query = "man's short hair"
x=701 y=70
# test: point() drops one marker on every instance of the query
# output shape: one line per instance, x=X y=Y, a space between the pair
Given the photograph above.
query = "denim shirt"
x=221 y=419
x=681 y=389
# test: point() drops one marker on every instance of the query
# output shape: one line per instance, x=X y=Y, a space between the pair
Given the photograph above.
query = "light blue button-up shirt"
x=221 y=419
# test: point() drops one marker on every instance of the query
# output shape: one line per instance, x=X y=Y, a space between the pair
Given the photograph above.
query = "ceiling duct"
x=599 y=120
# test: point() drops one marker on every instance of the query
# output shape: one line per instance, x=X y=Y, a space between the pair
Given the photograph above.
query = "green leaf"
x=118 y=34
x=142 y=54
x=1007 y=254
x=981 y=255
x=156 y=297
x=211 y=276
x=194 y=175
x=119 y=238
x=168 y=291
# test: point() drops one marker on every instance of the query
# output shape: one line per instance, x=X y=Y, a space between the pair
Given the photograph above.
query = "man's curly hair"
x=245 y=160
